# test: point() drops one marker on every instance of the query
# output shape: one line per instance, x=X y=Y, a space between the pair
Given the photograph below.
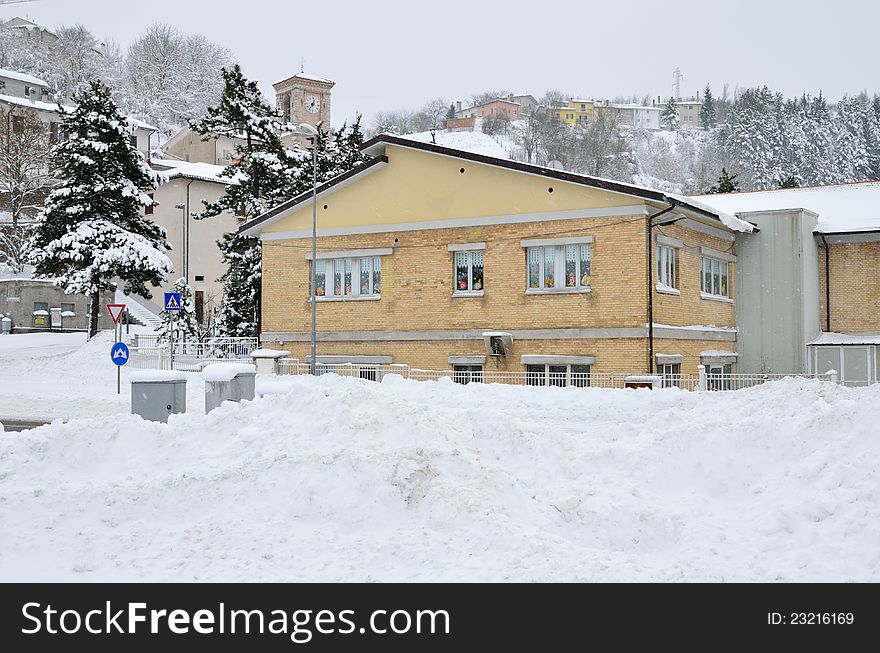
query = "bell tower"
x=304 y=98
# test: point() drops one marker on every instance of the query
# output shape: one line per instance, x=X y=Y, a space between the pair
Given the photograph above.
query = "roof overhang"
x=844 y=237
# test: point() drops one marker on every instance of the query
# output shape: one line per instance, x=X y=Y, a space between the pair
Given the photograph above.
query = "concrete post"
x=832 y=375
x=703 y=383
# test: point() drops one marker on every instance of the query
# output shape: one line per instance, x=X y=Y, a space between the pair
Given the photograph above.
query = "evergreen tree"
x=91 y=229
x=669 y=116
x=707 y=111
x=241 y=285
x=266 y=173
x=727 y=183
x=788 y=182
x=451 y=113
x=182 y=325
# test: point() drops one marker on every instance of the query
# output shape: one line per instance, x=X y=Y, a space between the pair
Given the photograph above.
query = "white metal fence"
x=147 y=353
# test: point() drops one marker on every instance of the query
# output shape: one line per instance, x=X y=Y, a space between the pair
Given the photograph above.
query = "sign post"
x=119 y=352
x=172 y=304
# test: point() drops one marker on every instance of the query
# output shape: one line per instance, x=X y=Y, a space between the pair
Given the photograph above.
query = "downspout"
x=827 y=284
x=649 y=226
x=186 y=234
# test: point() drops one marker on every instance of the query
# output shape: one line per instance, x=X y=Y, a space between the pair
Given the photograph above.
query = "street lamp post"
x=312 y=133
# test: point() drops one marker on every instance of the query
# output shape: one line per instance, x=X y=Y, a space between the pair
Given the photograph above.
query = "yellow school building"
x=442 y=259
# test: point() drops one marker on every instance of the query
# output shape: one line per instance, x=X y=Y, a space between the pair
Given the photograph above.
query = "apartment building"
x=443 y=259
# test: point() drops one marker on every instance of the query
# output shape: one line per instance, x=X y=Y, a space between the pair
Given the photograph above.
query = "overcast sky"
x=388 y=54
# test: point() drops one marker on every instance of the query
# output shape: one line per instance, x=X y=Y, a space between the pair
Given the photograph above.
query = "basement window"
x=558 y=375
x=465 y=374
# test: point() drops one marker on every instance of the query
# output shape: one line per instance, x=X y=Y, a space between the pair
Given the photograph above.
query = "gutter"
x=827 y=284
x=186 y=233
x=649 y=227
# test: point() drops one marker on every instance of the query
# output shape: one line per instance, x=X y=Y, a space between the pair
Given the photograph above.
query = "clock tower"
x=304 y=98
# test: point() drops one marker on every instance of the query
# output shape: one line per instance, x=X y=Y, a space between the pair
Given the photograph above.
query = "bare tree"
x=434 y=112
x=24 y=176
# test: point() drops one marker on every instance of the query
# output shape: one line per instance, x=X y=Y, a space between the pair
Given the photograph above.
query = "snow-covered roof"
x=167 y=163
x=22 y=77
x=33 y=104
x=140 y=124
x=640 y=107
x=832 y=338
x=201 y=171
x=841 y=208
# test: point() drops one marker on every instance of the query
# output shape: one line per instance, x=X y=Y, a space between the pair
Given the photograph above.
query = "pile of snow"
x=475 y=142
x=219 y=372
x=341 y=479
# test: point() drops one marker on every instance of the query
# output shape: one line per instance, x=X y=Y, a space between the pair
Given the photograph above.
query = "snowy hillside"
x=342 y=479
x=470 y=141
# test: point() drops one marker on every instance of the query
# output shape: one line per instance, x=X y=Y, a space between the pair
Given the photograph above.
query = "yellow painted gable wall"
x=417 y=186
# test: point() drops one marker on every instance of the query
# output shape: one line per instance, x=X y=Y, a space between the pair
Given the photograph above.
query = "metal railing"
x=703 y=381
x=148 y=353
x=377 y=372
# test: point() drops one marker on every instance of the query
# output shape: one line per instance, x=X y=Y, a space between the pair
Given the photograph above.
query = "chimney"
x=458 y=105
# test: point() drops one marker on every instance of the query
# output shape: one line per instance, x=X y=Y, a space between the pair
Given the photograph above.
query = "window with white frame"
x=666 y=266
x=465 y=374
x=559 y=267
x=351 y=277
x=714 y=279
x=670 y=374
x=469 y=271
x=558 y=375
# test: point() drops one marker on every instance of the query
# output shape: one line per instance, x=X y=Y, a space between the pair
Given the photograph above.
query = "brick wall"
x=417 y=295
x=855 y=288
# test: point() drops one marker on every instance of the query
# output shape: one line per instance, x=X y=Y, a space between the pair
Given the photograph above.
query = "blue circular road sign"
x=119 y=353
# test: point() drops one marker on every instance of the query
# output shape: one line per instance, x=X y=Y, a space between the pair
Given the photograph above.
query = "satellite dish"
x=556 y=165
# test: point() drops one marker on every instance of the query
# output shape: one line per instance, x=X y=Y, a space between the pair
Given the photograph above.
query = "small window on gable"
x=148 y=210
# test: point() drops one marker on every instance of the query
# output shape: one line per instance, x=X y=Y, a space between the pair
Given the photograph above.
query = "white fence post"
x=400 y=368
x=702 y=383
x=832 y=375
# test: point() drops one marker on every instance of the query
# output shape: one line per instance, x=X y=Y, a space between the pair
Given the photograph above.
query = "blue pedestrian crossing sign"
x=119 y=353
x=172 y=301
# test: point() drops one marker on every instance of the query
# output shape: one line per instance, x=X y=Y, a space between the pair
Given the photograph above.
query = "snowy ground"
x=46 y=376
x=342 y=479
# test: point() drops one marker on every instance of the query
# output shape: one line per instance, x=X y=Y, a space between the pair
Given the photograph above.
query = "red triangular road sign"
x=115 y=311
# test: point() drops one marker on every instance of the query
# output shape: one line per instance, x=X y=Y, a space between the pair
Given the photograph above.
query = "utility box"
x=636 y=381
x=267 y=360
x=156 y=394
x=228 y=382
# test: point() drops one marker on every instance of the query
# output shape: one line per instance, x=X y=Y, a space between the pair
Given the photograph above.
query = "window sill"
x=669 y=291
x=468 y=293
x=716 y=298
x=366 y=298
x=557 y=291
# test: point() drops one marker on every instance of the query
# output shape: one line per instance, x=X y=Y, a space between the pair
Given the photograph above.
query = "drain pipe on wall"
x=649 y=228
x=827 y=284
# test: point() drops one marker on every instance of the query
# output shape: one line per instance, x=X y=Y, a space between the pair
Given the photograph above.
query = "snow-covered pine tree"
x=669 y=115
x=182 y=325
x=727 y=183
x=263 y=176
x=91 y=230
x=707 y=111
